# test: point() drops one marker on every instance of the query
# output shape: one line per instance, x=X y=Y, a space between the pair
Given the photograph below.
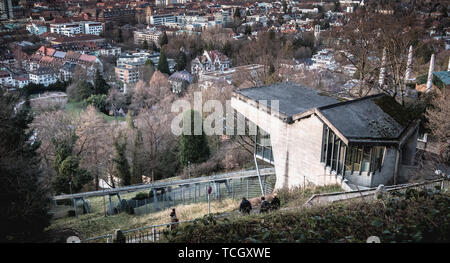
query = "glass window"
x=349 y=159
x=333 y=150
x=378 y=152
x=357 y=156
x=335 y=153
x=366 y=159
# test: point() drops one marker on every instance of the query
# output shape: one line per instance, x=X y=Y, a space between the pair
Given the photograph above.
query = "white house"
x=44 y=76
x=5 y=78
x=20 y=81
x=210 y=61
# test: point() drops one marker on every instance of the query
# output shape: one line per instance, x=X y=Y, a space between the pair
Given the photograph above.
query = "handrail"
x=371 y=191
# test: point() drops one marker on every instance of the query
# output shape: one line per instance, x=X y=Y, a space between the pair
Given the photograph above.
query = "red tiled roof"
x=87 y=58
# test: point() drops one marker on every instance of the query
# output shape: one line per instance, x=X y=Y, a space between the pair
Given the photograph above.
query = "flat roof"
x=367 y=118
x=377 y=117
x=293 y=98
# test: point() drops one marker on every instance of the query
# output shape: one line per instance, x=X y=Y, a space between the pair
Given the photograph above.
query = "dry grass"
x=96 y=224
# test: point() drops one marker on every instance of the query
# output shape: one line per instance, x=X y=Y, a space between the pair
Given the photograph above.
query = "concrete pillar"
x=409 y=63
x=430 y=74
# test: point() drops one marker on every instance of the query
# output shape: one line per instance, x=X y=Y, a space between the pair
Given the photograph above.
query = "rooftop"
x=293 y=98
x=444 y=76
x=373 y=117
x=370 y=118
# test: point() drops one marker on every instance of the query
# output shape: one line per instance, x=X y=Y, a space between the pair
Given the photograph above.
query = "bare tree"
x=49 y=126
x=93 y=143
x=438 y=117
x=356 y=43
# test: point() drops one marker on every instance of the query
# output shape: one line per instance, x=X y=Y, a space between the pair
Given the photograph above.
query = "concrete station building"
x=319 y=139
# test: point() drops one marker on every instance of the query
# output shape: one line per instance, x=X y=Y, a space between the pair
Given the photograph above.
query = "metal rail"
x=340 y=196
x=240 y=174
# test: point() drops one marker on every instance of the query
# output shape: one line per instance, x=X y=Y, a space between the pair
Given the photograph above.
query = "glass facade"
x=263 y=147
x=354 y=159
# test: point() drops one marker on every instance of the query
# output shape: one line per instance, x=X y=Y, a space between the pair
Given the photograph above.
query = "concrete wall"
x=409 y=149
x=365 y=179
x=296 y=150
x=385 y=176
x=296 y=147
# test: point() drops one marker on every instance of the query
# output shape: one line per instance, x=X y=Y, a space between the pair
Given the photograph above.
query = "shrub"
x=141 y=196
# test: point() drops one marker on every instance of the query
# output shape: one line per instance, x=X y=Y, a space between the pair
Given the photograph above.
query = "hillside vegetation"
x=411 y=217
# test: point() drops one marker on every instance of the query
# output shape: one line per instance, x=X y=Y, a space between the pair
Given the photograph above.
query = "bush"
x=98 y=101
x=33 y=88
x=141 y=196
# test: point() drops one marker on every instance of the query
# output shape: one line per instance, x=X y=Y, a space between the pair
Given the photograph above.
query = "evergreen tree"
x=120 y=37
x=181 y=61
x=145 y=45
x=121 y=166
x=24 y=196
x=100 y=85
x=163 y=64
x=69 y=177
x=227 y=49
x=137 y=169
x=164 y=40
x=248 y=30
x=193 y=148
x=98 y=101
x=237 y=13
x=81 y=91
x=285 y=7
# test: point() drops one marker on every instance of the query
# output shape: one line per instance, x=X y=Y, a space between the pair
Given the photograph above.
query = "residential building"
x=73 y=28
x=210 y=61
x=180 y=80
x=311 y=137
x=6 y=9
x=158 y=20
x=36 y=28
x=5 y=78
x=67 y=29
x=136 y=58
x=43 y=75
x=127 y=74
x=20 y=81
x=151 y=35
x=247 y=72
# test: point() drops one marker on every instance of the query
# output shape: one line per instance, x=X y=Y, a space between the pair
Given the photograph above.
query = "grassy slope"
x=96 y=224
x=75 y=108
x=393 y=219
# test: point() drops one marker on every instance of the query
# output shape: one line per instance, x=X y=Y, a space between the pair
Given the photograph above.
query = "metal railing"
x=248 y=187
x=316 y=199
x=203 y=179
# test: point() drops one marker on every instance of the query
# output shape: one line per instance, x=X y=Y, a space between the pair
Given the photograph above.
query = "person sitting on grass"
x=264 y=205
x=275 y=204
x=245 y=206
x=173 y=219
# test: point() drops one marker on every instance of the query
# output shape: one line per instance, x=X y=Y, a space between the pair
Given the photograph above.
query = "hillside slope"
x=411 y=217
